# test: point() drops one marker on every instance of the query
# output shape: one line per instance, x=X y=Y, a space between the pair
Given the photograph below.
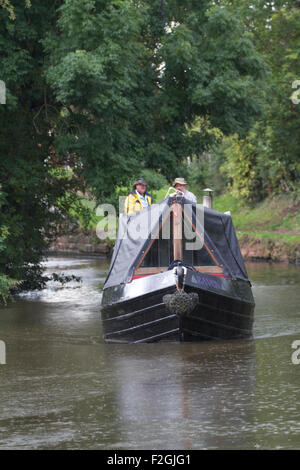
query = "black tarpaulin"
x=136 y=232
x=220 y=229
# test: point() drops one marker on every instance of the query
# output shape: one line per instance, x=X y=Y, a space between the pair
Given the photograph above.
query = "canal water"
x=63 y=388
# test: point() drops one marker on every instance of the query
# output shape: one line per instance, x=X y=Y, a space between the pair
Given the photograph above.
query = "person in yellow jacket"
x=138 y=198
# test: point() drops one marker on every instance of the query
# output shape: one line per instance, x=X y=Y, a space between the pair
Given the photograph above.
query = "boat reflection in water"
x=163 y=287
x=185 y=396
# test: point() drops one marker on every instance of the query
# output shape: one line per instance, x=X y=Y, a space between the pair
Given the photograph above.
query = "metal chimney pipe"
x=208 y=198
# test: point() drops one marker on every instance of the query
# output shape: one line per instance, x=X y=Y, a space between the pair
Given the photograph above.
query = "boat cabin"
x=152 y=240
x=162 y=251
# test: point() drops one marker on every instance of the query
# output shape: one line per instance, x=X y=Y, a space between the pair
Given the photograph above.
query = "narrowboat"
x=176 y=274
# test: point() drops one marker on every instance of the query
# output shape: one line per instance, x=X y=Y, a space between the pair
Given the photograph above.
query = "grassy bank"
x=269 y=230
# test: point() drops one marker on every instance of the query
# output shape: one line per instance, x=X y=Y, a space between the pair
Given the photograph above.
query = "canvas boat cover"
x=136 y=232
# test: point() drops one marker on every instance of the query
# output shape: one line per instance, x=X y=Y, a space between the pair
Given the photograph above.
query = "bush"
x=6 y=284
x=241 y=169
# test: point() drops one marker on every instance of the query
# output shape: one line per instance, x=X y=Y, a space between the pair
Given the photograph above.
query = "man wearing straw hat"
x=138 y=198
x=180 y=184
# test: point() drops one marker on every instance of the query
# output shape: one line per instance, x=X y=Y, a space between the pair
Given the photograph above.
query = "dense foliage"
x=131 y=76
x=32 y=197
x=267 y=161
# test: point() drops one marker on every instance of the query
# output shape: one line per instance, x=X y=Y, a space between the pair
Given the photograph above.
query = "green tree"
x=283 y=115
x=276 y=26
x=31 y=196
x=240 y=166
x=130 y=76
x=9 y=6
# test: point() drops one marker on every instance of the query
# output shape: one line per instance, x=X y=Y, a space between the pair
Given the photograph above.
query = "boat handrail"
x=176 y=193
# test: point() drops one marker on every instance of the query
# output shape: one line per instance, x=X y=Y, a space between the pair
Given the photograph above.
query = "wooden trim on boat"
x=209 y=269
x=200 y=269
x=177 y=230
x=153 y=270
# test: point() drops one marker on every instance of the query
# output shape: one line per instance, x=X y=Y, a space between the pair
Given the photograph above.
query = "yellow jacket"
x=133 y=202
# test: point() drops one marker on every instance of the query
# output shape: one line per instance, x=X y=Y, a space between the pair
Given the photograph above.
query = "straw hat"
x=180 y=181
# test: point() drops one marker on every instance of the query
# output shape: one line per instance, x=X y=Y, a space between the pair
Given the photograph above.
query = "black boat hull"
x=135 y=312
